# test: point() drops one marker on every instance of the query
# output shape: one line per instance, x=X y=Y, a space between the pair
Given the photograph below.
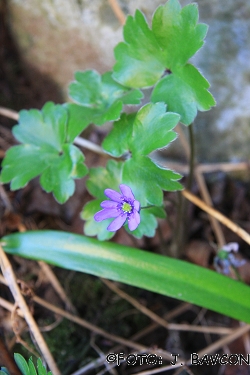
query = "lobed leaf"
x=92 y=227
x=117 y=141
x=147 y=180
x=101 y=96
x=44 y=152
x=184 y=91
x=177 y=32
x=148 y=55
x=152 y=129
x=78 y=119
x=59 y=176
x=47 y=127
x=101 y=178
x=140 y=59
x=157 y=273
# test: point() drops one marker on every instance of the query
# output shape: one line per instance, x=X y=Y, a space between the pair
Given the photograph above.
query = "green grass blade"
x=157 y=273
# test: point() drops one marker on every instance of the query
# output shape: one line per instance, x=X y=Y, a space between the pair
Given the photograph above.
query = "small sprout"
x=122 y=207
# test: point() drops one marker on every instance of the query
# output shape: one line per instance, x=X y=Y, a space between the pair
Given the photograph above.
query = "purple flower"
x=225 y=258
x=121 y=207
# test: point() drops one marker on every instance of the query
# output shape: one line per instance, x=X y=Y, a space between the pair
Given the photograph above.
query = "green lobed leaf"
x=147 y=180
x=184 y=91
x=177 y=32
x=24 y=162
x=45 y=127
x=101 y=178
x=140 y=59
x=79 y=118
x=146 y=54
x=101 y=95
x=117 y=141
x=92 y=227
x=44 y=152
x=59 y=176
x=148 y=225
x=157 y=273
x=152 y=129
x=139 y=134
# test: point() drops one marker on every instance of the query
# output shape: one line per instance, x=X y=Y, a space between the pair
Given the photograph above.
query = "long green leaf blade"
x=157 y=273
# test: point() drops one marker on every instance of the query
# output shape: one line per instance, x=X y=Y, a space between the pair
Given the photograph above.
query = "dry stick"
x=223 y=219
x=204 y=168
x=90 y=146
x=223 y=341
x=215 y=346
x=159 y=369
x=9 y=113
x=57 y=286
x=160 y=321
x=246 y=340
x=100 y=331
x=117 y=10
x=206 y=196
x=204 y=192
x=47 y=269
x=20 y=301
x=183 y=307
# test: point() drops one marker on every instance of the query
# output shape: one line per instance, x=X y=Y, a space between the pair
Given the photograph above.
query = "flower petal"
x=134 y=220
x=107 y=213
x=117 y=223
x=108 y=204
x=112 y=194
x=137 y=205
x=231 y=246
x=236 y=262
x=127 y=192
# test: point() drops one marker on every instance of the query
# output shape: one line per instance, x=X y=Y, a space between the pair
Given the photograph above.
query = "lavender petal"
x=117 y=223
x=113 y=195
x=137 y=205
x=231 y=246
x=108 y=204
x=107 y=213
x=127 y=192
x=134 y=220
x=236 y=262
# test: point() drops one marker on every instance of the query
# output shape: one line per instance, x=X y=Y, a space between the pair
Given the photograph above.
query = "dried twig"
x=223 y=341
x=223 y=219
x=57 y=286
x=160 y=321
x=9 y=113
x=20 y=301
x=117 y=10
x=100 y=331
x=204 y=191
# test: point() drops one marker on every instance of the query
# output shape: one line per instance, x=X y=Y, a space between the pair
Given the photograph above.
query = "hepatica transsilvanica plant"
x=157 y=57
x=154 y=56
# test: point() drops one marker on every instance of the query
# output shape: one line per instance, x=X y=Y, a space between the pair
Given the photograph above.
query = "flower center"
x=126 y=207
